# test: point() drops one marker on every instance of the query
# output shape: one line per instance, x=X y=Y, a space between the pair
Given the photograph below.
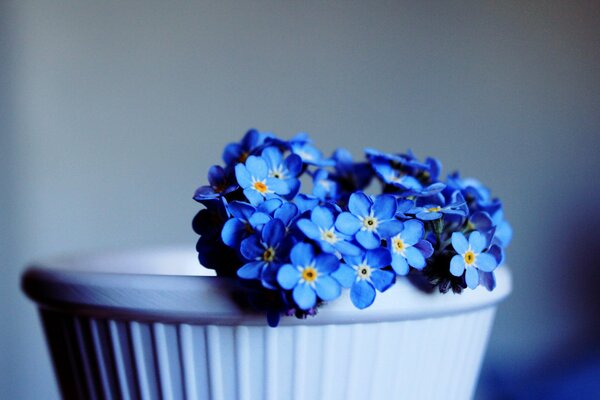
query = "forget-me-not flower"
x=219 y=185
x=286 y=169
x=308 y=275
x=369 y=221
x=363 y=274
x=254 y=178
x=471 y=257
x=245 y=218
x=321 y=228
x=238 y=152
x=408 y=247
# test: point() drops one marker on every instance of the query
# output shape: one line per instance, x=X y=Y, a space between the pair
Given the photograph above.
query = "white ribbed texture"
x=436 y=358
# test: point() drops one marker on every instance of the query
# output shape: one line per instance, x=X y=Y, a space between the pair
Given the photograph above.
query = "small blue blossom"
x=264 y=252
x=408 y=247
x=504 y=232
x=254 y=178
x=321 y=228
x=308 y=275
x=305 y=202
x=430 y=212
x=471 y=257
x=393 y=176
x=245 y=218
x=363 y=274
x=324 y=187
x=369 y=221
x=352 y=176
x=238 y=152
x=303 y=147
x=287 y=169
x=219 y=185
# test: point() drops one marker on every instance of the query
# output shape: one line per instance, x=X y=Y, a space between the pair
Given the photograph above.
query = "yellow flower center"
x=269 y=255
x=435 y=209
x=309 y=274
x=363 y=271
x=260 y=187
x=370 y=223
x=398 y=245
x=469 y=257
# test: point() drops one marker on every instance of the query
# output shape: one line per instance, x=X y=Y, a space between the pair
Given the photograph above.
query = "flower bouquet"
x=362 y=226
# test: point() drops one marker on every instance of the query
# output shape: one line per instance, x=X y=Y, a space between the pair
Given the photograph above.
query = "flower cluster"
x=290 y=251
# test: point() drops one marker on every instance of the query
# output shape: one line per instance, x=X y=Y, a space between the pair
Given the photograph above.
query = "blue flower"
x=264 y=253
x=303 y=147
x=305 y=202
x=254 y=178
x=394 y=176
x=363 y=274
x=238 y=152
x=309 y=276
x=324 y=187
x=504 y=232
x=368 y=221
x=287 y=170
x=433 y=211
x=352 y=175
x=408 y=248
x=471 y=257
x=321 y=228
x=245 y=219
x=219 y=185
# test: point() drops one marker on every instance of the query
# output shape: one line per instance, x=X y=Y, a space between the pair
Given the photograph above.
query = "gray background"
x=112 y=112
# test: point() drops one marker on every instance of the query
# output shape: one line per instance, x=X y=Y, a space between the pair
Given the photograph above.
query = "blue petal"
x=404 y=206
x=362 y=294
x=413 y=232
x=328 y=288
x=369 y=240
x=232 y=153
x=293 y=163
x=415 y=258
x=327 y=263
x=385 y=207
x=345 y=275
x=305 y=202
x=477 y=241
x=347 y=223
x=251 y=248
x=243 y=176
x=359 y=204
x=486 y=263
x=304 y=296
x=241 y=210
x=459 y=242
x=252 y=270
x=378 y=258
x=288 y=276
x=429 y=216
x=286 y=213
x=270 y=205
x=233 y=232
x=278 y=186
x=399 y=264
x=258 y=218
x=323 y=217
x=273 y=232
x=481 y=220
x=257 y=167
x=487 y=280
x=457 y=265
x=309 y=229
x=302 y=254
x=425 y=247
x=253 y=196
x=389 y=228
x=382 y=279
x=346 y=248
x=472 y=277
x=216 y=176
x=272 y=156
x=268 y=277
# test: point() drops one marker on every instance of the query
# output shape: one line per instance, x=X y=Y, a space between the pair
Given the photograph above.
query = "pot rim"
x=168 y=285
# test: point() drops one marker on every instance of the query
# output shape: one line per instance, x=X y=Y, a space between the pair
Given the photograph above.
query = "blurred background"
x=111 y=113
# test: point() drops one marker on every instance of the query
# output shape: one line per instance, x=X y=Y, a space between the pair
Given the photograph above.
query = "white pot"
x=144 y=325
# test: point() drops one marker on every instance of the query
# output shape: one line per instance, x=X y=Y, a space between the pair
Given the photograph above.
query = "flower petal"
x=385 y=206
x=399 y=264
x=233 y=232
x=390 y=228
x=425 y=247
x=272 y=156
x=232 y=153
x=472 y=277
x=257 y=167
x=369 y=240
x=327 y=288
x=359 y=204
x=309 y=228
x=293 y=163
x=288 y=276
x=346 y=248
x=253 y=196
x=323 y=217
x=457 y=265
x=378 y=258
x=304 y=296
x=251 y=248
x=273 y=232
x=302 y=254
x=382 y=279
x=251 y=270
x=286 y=213
x=486 y=262
x=413 y=232
x=326 y=263
x=258 y=218
x=415 y=258
x=477 y=241
x=459 y=242
x=345 y=275
x=278 y=186
x=362 y=294
x=347 y=223
x=243 y=176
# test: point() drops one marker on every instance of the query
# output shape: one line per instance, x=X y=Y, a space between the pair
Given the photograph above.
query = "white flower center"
x=398 y=245
x=370 y=223
x=363 y=271
x=278 y=172
x=329 y=236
